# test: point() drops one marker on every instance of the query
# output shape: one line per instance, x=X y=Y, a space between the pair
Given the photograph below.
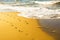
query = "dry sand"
x=13 y=27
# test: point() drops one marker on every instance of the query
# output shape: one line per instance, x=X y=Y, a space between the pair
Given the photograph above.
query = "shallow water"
x=51 y=26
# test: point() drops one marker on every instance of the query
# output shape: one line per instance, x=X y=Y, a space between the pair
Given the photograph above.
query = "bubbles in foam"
x=38 y=12
x=32 y=12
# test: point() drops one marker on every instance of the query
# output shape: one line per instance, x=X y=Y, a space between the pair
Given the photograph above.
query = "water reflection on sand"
x=51 y=26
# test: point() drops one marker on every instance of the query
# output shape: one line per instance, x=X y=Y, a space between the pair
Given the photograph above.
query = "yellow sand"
x=13 y=27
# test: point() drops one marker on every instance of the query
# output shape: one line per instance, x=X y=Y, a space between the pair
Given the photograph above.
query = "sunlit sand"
x=13 y=27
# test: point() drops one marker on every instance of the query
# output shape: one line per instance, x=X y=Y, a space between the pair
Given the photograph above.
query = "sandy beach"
x=13 y=27
x=16 y=23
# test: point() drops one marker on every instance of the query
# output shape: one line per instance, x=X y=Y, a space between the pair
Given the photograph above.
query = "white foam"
x=37 y=12
x=29 y=12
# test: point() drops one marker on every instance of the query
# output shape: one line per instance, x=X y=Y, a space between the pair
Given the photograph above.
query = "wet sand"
x=51 y=26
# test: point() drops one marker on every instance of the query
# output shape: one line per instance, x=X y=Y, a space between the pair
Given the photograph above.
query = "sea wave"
x=28 y=11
